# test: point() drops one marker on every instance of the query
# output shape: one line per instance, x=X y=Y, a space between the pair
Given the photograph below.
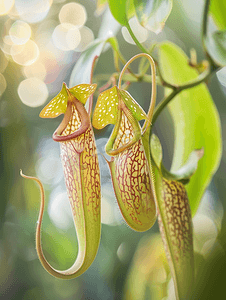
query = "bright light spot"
x=140 y=32
x=3 y=84
x=66 y=37
x=33 y=11
x=59 y=210
x=49 y=166
x=171 y=290
x=123 y=252
x=110 y=26
x=37 y=70
x=20 y=32
x=107 y=214
x=110 y=213
x=33 y=92
x=44 y=32
x=3 y=62
x=87 y=37
x=26 y=54
x=204 y=230
x=73 y=13
x=5 y=6
x=211 y=208
x=7 y=44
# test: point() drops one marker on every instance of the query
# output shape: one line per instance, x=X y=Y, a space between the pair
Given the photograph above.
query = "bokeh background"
x=38 y=52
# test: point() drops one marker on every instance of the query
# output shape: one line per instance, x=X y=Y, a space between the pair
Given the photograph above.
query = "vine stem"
x=204 y=22
x=204 y=34
x=201 y=78
x=147 y=122
x=144 y=50
x=120 y=56
x=127 y=77
x=90 y=103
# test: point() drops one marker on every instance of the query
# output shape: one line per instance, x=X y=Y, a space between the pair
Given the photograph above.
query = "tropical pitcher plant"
x=144 y=188
x=81 y=172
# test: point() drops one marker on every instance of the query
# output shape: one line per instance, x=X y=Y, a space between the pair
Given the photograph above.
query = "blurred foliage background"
x=35 y=58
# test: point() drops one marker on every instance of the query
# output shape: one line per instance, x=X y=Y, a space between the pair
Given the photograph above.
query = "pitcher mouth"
x=133 y=139
x=83 y=115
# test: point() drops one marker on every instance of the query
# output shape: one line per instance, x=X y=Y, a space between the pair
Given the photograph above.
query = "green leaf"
x=196 y=121
x=152 y=14
x=122 y=10
x=217 y=10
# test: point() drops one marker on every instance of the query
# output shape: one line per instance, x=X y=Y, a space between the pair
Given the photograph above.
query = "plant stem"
x=147 y=122
x=204 y=22
x=126 y=77
x=142 y=48
x=164 y=83
x=201 y=78
x=204 y=34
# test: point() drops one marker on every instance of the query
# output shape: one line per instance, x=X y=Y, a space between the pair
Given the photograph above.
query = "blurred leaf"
x=58 y=247
x=185 y=172
x=101 y=4
x=122 y=10
x=114 y=44
x=82 y=69
x=216 y=45
x=221 y=75
x=148 y=269
x=218 y=10
x=196 y=120
x=219 y=38
x=109 y=26
x=216 y=41
x=189 y=168
x=152 y=14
